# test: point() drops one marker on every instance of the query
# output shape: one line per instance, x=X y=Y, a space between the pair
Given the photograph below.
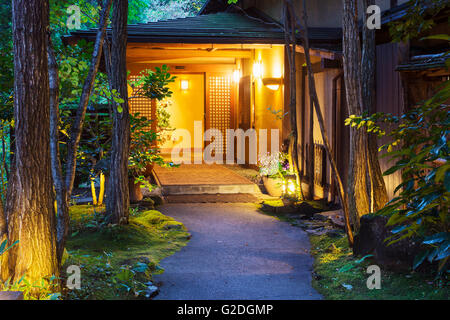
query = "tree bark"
x=62 y=217
x=290 y=41
x=311 y=150
x=378 y=193
x=357 y=181
x=77 y=126
x=118 y=199
x=29 y=207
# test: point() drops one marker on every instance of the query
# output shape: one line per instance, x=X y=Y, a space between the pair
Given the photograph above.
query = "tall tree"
x=358 y=199
x=303 y=28
x=378 y=193
x=118 y=198
x=64 y=184
x=77 y=126
x=290 y=44
x=29 y=209
x=62 y=206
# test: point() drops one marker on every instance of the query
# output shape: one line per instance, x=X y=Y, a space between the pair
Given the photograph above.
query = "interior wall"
x=187 y=106
x=265 y=98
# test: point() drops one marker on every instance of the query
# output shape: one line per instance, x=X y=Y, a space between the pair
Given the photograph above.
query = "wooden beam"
x=320 y=53
x=149 y=54
x=331 y=64
x=178 y=46
x=136 y=68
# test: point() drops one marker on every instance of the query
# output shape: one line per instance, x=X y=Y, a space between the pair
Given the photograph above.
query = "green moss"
x=274 y=203
x=335 y=266
x=105 y=251
x=275 y=208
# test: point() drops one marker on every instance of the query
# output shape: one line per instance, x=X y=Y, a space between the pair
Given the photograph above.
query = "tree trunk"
x=315 y=99
x=77 y=126
x=290 y=40
x=357 y=182
x=378 y=193
x=62 y=207
x=118 y=199
x=29 y=207
x=135 y=191
x=311 y=150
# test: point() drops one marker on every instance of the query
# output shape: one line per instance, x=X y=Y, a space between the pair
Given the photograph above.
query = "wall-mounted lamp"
x=273 y=83
x=257 y=69
x=184 y=84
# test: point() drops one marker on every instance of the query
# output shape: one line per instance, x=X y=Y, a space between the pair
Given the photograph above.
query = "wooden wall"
x=331 y=93
x=390 y=98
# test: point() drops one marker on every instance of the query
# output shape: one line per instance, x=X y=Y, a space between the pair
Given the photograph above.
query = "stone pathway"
x=199 y=174
x=236 y=253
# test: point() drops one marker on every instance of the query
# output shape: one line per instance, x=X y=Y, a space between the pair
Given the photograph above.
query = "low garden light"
x=291 y=187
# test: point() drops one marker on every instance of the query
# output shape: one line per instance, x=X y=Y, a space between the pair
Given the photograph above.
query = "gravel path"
x=236 y=253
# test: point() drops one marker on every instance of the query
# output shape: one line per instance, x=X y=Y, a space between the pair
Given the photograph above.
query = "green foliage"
x=154 y=84
x=134 y=251
x=6 y=62
x=163 y=126
x=274 y=165
x=41 y=290
x=171 y=9
x=5 y=155
x=4 y=248
x=47 y=287
x=143 y=149
x=336 y=270
x=419 y=19
x=94 y=149
x=420 y=151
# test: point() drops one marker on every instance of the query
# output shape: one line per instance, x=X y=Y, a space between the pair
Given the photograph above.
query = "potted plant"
x=277 y=177
x=144 y=153
x=145 y=135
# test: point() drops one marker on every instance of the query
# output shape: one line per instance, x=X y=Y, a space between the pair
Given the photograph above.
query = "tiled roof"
x=222 y=27
x=425 y=62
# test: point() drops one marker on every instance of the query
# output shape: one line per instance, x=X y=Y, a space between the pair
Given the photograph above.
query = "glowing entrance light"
x=236 y=76
x=184 y=84
x=273 y=83
x=257 y=69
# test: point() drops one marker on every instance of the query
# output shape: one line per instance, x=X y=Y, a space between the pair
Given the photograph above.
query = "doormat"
x=213 y=198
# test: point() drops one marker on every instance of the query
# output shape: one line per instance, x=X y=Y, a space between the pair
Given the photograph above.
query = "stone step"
x=210 y=189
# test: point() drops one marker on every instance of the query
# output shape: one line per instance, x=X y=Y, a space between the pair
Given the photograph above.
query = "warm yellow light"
x=272 y=83
x=291 y=187
x=237 y=76
x=258 y=69
x=273 y=87
x=184 y=84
